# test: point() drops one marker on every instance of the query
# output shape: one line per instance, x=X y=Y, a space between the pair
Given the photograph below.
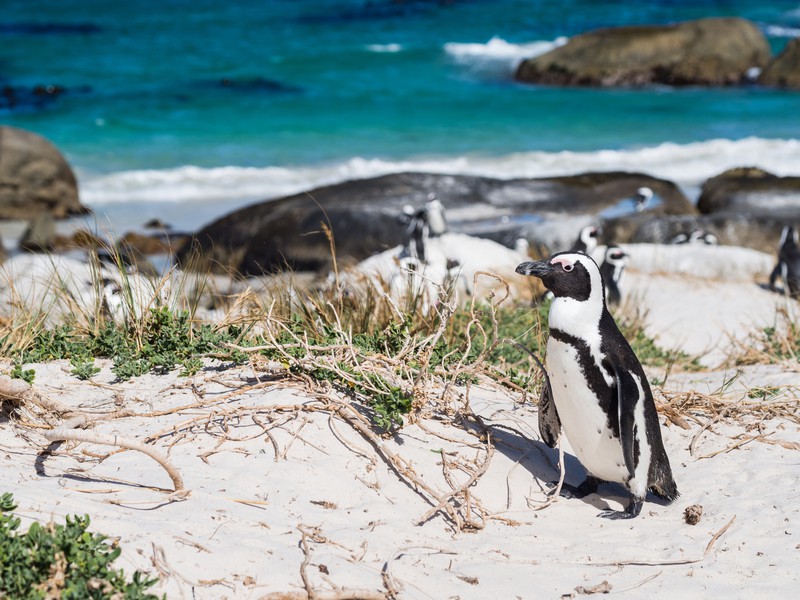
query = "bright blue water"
x=319 y=91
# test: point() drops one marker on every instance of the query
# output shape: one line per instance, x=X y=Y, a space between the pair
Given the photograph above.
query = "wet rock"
x=362 y=215
x=784 y=70
x=715 y=51
x=40 y=235
x=753 y=191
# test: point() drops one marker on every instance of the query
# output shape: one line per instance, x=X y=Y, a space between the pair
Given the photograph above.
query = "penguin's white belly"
x=583 y=421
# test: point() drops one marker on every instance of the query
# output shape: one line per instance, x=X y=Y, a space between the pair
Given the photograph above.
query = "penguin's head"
x=616 y=256
x=589 y=235
x=567 y=274
x=642 y=197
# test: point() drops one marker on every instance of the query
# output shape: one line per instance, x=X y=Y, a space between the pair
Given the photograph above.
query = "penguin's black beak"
x=539 y=268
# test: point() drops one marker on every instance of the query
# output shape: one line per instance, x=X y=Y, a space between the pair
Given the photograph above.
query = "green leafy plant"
x=83 y=368
x=61 y=561
x=27 y=375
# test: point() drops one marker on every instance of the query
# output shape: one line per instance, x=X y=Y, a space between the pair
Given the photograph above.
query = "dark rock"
x=35 y=178
x=23 y=98
x=751 y=191
x=54 y=28
x=759 y=232
x=363 y=216
x=716 y=51
x=784 y=70
x=40 y=235
x=257 y=84
x=148 y=244
x=157 y=224
x=83 y=239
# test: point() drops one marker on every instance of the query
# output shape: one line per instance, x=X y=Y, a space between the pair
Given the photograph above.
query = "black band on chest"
x=567 y=338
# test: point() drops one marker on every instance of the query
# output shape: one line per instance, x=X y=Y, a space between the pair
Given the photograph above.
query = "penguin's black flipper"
x=628 y=395
x=549 y=423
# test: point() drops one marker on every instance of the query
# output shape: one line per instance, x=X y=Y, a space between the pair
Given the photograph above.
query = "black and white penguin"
x=696 y=236
x=788 y=267
x=417 y=232
x=597 y=389
x=611 y=270
x=642 y=198
x=701 y=236
x=437 y=223
x=587 y=240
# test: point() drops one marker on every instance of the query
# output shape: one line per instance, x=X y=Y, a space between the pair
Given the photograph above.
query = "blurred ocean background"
x=187 y=109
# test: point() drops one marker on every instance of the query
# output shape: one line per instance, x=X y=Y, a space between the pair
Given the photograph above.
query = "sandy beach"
x=288 y=493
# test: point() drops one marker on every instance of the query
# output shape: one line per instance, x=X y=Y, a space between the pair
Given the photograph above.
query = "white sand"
x=238 y=533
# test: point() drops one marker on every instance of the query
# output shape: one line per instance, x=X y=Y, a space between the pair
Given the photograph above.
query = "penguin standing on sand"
x=614 y=263
x=587 y=240
x=788 y=267
x=597 y=389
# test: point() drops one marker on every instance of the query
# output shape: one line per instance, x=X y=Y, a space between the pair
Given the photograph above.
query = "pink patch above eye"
x=561 y=261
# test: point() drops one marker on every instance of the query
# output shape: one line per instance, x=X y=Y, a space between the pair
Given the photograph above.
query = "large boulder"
x=784 y=70
x=35 y=178
x=745 y=207
x=751 y=191
x=362 y=216
x=715 y=51
x=749 y=207
x=758 y=232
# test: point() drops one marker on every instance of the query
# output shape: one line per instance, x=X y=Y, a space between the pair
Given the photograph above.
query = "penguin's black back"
x=615 y=347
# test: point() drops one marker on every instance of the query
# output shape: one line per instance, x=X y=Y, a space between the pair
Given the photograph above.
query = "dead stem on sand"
x=750 y=413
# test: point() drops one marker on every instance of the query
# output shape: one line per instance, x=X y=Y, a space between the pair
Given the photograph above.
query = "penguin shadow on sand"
x=541 y=462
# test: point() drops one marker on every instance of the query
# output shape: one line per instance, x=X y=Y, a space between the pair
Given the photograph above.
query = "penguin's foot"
x=589 y=486
x=633 y=510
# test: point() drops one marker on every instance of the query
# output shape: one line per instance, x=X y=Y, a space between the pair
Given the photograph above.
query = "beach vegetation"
x=773 y=344
x=352 y=335
x=62 y=560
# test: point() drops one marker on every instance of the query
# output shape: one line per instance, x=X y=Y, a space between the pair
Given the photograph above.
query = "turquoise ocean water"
x=186 y=110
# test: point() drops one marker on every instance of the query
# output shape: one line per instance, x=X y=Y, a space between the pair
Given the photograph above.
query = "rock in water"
x=784 y=70
x=716 y=51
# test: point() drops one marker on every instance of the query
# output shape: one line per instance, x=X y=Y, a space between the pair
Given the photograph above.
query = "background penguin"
x=788 y=267
x=587 y=240
x=437 y=223
x=697 y=236
x=642 y=198
x=597 y=389
x=417 y=232
x=614 y=263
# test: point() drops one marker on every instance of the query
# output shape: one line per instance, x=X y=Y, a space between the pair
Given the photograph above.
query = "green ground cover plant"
x=62 y=560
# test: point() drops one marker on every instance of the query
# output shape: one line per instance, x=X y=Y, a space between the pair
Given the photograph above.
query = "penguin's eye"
x=568 y=268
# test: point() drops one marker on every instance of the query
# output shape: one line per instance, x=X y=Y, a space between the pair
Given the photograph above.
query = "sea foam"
x=688 y=165
x=497 y=52
x=384 y=48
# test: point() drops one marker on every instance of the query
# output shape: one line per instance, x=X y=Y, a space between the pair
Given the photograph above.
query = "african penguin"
x=587 y=240
x=597 y=389
x=611 y=269
x=642 y=198
x=701 y=236
x=788 y=267
x=436 y=219
x=417 y=232
x=697 y=236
